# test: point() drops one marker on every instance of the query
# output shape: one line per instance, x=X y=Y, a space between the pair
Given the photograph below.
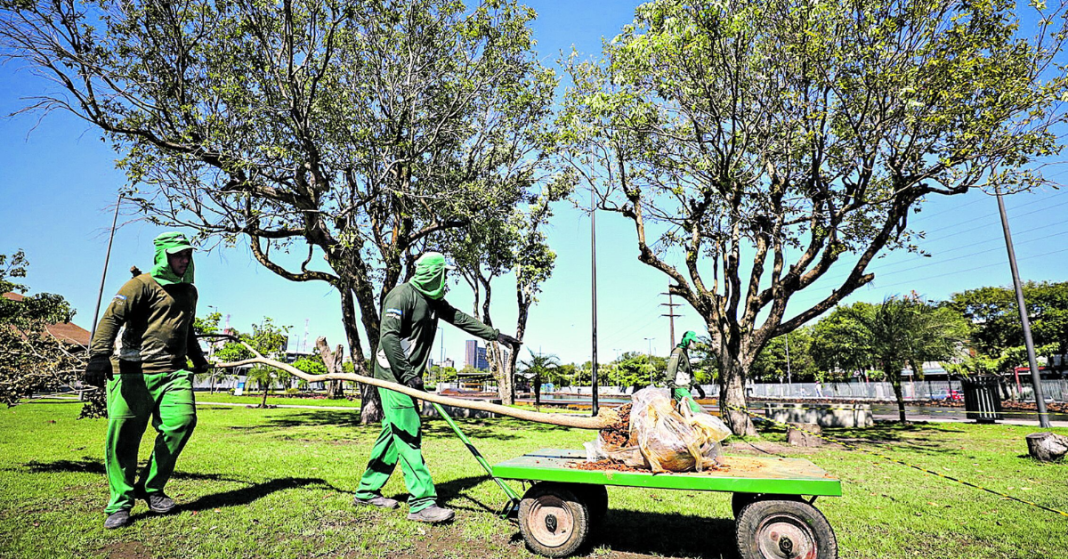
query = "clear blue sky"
x=58 y=184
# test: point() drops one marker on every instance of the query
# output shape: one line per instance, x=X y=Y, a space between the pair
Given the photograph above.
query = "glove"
x=415 y=382
x=508 y=340
x=98 y=371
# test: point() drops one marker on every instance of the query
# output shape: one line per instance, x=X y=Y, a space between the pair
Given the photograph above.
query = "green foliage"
x=771 y=362
x=358 y=132
x=313 y=365
x=995 y=317
x=900 y=332
x=801 y=136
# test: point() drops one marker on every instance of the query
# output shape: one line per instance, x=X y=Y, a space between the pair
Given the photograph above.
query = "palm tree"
x=541 y=366
x=904 y=332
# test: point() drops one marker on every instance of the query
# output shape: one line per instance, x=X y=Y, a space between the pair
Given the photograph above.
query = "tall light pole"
x=650 y=360
x=1036 y=379
x=593 y=283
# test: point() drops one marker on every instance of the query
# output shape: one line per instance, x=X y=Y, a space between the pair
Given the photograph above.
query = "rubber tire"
x=563 y=499
x=755 y=517
x=740 y=500
x=596 y=499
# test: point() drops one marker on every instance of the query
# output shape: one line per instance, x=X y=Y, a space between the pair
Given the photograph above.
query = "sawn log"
x=604 y=417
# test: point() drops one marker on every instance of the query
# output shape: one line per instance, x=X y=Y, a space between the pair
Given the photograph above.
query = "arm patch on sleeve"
x=394 y=313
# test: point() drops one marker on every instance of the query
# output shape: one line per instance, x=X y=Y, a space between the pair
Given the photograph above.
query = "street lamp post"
x=650 y=354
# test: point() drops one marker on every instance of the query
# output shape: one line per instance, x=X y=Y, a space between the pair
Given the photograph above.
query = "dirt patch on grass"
x=126 y=550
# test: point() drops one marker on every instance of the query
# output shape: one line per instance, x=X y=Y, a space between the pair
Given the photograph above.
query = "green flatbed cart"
x=772 y=519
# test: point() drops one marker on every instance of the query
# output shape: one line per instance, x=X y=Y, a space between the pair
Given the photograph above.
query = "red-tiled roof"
x=70 y=333
x=67 y=332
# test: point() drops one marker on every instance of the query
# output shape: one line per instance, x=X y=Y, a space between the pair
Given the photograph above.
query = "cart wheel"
x=784 y=529
x=740 y=500
x=596 y=499
x=554 y=522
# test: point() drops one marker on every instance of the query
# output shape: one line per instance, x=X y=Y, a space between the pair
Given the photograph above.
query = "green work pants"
x=400 y=439
x=166 y=398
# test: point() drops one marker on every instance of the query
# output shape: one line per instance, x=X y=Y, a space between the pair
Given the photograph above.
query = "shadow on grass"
x=246 y=495
x=493 y=429
x=662 y=534
x=309 y=418
x=454 y=489
x=96 y=466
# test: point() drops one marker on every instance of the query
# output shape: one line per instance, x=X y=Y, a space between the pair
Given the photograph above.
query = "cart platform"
x=744 y=474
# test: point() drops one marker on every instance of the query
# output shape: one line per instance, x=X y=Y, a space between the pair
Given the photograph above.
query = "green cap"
x=689 y=337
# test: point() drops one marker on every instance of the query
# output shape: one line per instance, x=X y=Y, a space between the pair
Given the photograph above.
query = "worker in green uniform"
x=410 y=316
x=679 y=373
x=155 y=312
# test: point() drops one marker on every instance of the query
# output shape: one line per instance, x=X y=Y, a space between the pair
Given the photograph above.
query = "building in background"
x=475 y=355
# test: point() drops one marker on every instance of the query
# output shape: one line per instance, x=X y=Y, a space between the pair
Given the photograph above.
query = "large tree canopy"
x=756 y=145
x=357 y=131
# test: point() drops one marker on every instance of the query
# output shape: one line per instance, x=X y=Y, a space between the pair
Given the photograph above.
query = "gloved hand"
x=98 y=371
x=415 y=382
x=508 y=340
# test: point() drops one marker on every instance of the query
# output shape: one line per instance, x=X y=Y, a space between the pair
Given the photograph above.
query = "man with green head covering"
x=154 y=313
x=410 y=316
x=678 y=369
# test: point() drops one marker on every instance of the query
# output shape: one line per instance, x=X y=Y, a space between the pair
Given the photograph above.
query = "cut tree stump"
x=1047 y=446
x=804 y=434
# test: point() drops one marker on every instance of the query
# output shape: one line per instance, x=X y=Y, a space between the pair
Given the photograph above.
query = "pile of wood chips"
x=618 y=433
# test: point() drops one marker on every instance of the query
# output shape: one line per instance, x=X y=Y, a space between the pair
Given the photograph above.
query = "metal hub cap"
x=784 y=536
x=551 y=522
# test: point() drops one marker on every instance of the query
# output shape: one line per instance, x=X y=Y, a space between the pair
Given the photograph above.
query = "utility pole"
x=1036 y=379
x=671 y=304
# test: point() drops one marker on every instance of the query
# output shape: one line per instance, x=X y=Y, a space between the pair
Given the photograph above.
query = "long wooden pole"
x=604 y=418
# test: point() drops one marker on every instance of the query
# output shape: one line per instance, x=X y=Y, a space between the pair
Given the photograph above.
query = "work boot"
x=377 y=501
x=432 y=515
x=117 y=519
x=159 y=503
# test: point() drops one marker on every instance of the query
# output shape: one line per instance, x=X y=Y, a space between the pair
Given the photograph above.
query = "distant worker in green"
x=155 y=313
x=410 y=316
x=678 y=371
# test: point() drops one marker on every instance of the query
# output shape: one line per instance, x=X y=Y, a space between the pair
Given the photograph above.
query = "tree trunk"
x=263 y=403
x=895 y=381
x=732 y=403
x=537 y=391
x=370 y=406
x=335 y=390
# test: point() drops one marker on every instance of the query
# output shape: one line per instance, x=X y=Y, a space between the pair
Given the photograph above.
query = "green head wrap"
x=430 y=275
x=689 y=337
x=170 y=243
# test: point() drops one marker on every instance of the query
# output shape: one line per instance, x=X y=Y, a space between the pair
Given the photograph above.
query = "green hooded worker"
x=679 y=372
x=154 y=313
x=410 y=316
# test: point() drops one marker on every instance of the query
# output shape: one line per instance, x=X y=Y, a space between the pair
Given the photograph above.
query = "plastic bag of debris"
x=672 y=441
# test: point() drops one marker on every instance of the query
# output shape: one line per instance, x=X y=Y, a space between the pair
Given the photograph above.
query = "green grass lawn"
x=279 y=483
x=274 y=399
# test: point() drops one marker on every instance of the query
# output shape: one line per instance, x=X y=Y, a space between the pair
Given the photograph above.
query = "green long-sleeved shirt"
x=158 y=322
x=406 y=336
